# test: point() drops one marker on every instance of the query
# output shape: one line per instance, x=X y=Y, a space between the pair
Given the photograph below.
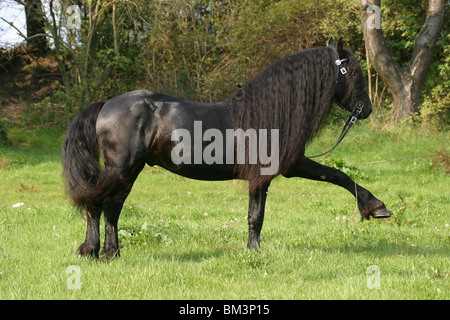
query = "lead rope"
x=348 y=124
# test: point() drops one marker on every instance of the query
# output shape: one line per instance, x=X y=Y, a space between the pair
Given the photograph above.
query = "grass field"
x=186 y=239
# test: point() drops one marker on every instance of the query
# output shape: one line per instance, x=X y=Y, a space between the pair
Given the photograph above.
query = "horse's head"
x=351 y=93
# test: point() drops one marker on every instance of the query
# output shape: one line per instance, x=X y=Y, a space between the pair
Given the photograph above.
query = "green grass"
x=314 y=245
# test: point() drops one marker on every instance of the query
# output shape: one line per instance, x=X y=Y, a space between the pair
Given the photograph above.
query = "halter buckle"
x=342 y=69
x=359 y=106
x=338 y=62
x=358 y=109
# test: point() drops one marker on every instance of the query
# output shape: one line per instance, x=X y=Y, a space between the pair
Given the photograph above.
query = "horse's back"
x=137 y=128
x=131 y=104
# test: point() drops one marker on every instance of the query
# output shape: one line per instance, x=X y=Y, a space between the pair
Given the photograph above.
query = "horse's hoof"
x=109 y=253
x=381 y=213
x=88 y=250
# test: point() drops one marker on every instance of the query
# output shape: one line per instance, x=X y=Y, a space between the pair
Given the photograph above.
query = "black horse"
x=289 y=99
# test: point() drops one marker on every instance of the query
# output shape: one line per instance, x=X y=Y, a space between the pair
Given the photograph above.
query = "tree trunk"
x=404 y=83
x=57 y=52
x=35 y=25
x=406 y=97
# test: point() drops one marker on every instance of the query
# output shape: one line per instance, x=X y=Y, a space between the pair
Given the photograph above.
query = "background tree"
x=35 y=25
x=405 y=82
x=89 y=53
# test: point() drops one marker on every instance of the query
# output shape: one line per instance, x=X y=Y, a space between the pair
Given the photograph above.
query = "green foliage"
x=352 y=171
x=435 y=109
x=342 y=19
x=401 y=22
x=200 y=49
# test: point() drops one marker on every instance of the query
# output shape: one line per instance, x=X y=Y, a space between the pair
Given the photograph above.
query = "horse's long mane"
x=291 y=95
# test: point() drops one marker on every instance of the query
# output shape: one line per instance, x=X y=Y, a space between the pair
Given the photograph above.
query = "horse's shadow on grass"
x=380 y=248
x=190 y=256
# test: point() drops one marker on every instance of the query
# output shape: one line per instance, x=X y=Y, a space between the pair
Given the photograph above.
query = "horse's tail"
x=81 y=158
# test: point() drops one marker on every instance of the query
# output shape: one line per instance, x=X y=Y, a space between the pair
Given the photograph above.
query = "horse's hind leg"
x=113 y=206
x=91 y=245
x=123 y=131
x=112 y=213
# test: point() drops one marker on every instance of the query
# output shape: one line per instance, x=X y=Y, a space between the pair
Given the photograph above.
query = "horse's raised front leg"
x=367 y=203
x=91 y=245
x=256 y=205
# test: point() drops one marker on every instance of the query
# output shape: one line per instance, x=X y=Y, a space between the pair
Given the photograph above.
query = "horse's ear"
x=331 y=42
x=340 y=46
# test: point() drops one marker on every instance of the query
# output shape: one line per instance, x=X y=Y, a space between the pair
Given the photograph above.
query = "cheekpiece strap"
x=342 y=69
